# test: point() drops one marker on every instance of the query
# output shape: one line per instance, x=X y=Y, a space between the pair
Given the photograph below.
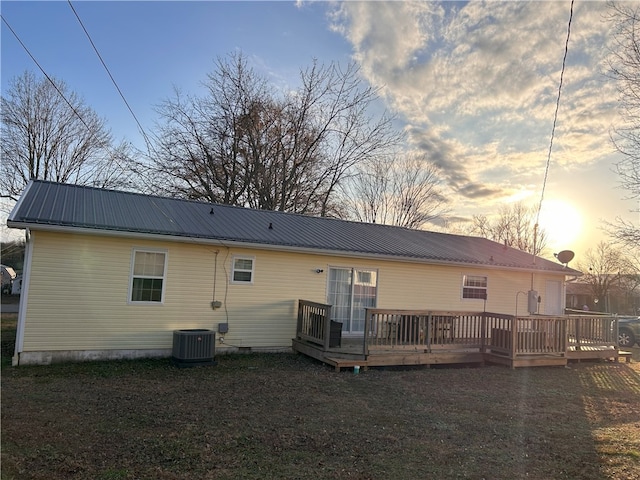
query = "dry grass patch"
x=286 y=416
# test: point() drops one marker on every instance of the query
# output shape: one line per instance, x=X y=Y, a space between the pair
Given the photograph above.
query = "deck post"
x=327 y=321
x=429 y=329
x=514 y=337
x=483 y=333
x=326 y=325
x=367 y=327
x=300 y=314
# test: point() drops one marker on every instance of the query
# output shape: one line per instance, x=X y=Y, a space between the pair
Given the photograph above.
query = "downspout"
x=24 y=293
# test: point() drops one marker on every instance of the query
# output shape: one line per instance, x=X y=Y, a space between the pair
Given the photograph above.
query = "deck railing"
x=498 y=337
x=424 y=330
x=498 y=333
x=586 y=331
x=394 y=328
x=314 y=323
x=531 y=335
x=428 y=331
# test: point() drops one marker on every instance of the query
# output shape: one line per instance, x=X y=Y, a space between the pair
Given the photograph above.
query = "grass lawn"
x=284 y=416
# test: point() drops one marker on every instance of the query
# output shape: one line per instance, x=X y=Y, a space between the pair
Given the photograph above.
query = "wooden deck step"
x=340 y=363
x=528 y=360
x=591 y=352
x=624 y=354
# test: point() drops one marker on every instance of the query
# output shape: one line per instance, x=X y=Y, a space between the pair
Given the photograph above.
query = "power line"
x=55 y=86
x=45 y=73
x=555 y=120
x=109 y=73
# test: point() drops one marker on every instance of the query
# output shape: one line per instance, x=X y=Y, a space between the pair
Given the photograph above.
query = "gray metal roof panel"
x=54 y=204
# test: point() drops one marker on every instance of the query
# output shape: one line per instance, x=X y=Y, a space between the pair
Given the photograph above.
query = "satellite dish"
x=565 y=256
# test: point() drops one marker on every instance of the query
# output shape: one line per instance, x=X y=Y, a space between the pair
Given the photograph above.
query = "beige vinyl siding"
x=439 y=287
x=263 y=314
x=79 y=291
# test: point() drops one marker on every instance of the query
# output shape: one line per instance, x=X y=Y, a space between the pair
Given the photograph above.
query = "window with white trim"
x=242 y=271
x=148 y=276
x=474 y=286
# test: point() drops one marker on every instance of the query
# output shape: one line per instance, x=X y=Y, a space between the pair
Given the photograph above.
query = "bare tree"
x=201 y=143
x=44 y=137
x=630 y=281
x=401 y=190
x=624 y=66
x=366 y=193
x=245 y=144
x=604 y=269
x=515 y=226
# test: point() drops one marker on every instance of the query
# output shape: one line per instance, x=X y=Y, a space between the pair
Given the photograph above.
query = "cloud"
x=446 y=155
x=479 y=191
x=387 y=36
x=476 y=84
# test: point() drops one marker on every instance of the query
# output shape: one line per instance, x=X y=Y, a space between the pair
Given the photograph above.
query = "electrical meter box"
x=532 y=302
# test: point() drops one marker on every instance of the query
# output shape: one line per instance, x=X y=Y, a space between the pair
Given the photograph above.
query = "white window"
x=474 y=286
x=242 y=270
x=364 y=277
x=148 y=275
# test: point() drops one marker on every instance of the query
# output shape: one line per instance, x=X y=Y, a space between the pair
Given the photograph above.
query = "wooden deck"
x=403 y=337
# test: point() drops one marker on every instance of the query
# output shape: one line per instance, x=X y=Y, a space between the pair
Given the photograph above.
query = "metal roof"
x=56 y=206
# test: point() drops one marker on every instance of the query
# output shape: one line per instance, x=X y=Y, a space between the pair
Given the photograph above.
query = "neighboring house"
x=8 y=276
x=579 y=296
x=620 y=300
x=138 y=267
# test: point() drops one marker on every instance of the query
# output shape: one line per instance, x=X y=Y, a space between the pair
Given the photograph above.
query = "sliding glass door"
x=350 y=291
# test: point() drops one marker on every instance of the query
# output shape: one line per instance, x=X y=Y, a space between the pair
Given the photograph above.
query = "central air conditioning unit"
x=194 y=347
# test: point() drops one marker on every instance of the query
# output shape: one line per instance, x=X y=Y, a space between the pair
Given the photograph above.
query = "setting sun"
x=562 y=223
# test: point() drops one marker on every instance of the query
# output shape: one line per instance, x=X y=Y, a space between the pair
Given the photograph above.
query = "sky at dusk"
x=473 y=85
